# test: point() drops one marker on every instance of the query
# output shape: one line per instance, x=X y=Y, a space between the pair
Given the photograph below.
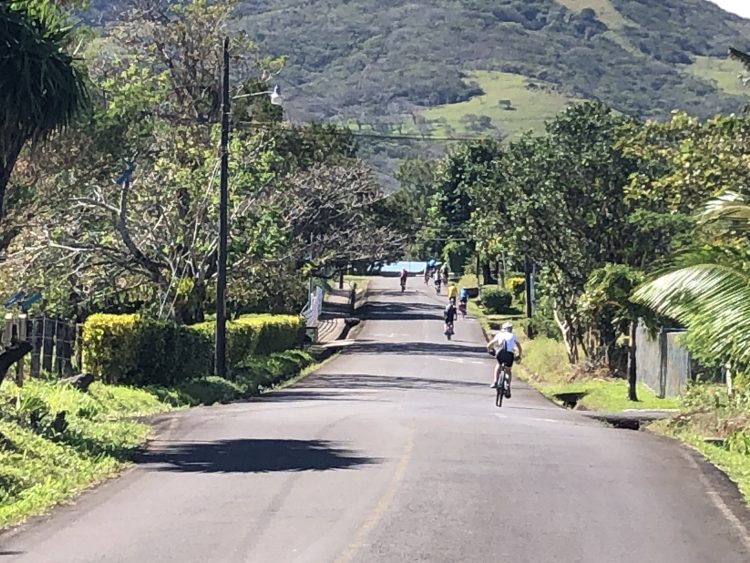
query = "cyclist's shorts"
x=505 y=358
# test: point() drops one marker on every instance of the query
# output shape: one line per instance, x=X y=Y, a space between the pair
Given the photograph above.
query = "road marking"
x=380 y=508
x=460 y=361
x=719 y=502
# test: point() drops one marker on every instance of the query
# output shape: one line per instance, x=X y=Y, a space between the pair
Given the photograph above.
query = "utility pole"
x=220 y=364
x=529 y=279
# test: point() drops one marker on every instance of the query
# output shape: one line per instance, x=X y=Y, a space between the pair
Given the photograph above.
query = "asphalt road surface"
x=394 y=451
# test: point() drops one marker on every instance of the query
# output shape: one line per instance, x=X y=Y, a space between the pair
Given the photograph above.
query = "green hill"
x=397 y=65
x=457 y=68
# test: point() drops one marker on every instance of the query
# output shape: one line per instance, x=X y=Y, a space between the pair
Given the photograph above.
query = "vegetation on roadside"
x=56 y=440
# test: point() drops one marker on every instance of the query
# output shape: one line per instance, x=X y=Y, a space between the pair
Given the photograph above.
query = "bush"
x=210 y=390
x=127 y=349
x=496 y=300
x=516 y=285
x=109 y=345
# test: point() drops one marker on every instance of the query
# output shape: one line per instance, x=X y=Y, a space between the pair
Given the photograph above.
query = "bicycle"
x=449 y=332
x=502 y=383
x=502 y=386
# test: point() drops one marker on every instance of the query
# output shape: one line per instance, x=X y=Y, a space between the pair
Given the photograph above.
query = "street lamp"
x=220 y=364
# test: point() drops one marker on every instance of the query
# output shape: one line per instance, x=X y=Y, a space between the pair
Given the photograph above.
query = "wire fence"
x=55 y=344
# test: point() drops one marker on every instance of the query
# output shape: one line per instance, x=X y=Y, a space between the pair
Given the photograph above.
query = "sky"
x=741 y=7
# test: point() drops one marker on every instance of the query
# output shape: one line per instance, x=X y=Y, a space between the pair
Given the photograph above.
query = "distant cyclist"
x=504 y=344
x=449 y=315
x=452 y=292
x=463 y=300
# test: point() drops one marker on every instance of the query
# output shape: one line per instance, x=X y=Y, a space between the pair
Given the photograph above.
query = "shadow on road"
x=251 y=456
x=362 y=381
x=443 y=349
x=401 y=312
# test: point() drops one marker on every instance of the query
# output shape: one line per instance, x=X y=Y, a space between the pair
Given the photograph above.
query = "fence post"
x=78 y=346
x=48 y=328
x=662 y=363
x=22 y=328
x=37 y=328
x=59 y=346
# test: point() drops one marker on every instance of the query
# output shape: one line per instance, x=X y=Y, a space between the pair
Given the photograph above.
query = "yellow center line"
x=382 y=505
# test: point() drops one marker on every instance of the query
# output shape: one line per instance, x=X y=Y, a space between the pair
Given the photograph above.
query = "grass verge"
x=55 y=440
x=545 y=367
x=47 y=457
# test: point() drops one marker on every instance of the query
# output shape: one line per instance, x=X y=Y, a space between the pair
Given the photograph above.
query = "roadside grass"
x=47 y=458
x=545 y=367
x=44 y=461
x=609 y=395
x=735 y=464
x=361 y=281
x=717 y=425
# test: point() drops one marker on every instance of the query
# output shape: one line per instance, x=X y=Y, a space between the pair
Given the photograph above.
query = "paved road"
x=395 y=452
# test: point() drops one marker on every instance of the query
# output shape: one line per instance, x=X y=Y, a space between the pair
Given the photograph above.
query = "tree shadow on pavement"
x=444 y=349
x=384 y=382
x=251 y=456
x=400 y=312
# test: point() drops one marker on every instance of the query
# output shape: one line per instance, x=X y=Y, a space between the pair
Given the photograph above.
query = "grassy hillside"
x=391 y=60
x=510 y=105
x=448 y=67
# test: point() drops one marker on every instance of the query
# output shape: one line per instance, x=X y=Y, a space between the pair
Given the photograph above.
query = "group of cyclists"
x=503 y=345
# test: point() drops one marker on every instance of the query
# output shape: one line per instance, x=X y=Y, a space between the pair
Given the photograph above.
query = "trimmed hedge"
x=496 y=299
x=128 y=349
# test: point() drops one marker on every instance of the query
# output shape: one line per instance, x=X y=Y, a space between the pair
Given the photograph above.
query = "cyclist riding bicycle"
x=463 y=300
x=504 y=344
x=452 y=292
x=463 y=296
x=449 y=315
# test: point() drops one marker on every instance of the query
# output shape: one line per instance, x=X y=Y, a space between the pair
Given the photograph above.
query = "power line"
x=418 y=137
x=387 y=136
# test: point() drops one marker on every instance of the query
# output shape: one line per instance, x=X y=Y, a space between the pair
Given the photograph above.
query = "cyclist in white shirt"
x=504 y=344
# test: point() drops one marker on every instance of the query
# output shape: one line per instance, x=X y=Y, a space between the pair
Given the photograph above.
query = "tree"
x=559 y=200
x=42 y=88
x=331 y=220
x=453 y=202
x=607 y=310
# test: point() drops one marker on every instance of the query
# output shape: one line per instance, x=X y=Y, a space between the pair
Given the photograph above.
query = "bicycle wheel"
x=500 y=388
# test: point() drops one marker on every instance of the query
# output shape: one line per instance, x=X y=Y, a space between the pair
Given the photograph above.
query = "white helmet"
x=507 y=326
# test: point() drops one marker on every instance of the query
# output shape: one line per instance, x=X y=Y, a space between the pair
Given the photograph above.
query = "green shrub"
x=128 y=349
x=109 y=345
x=496 y=299
x=211 y=389
x=516 y=285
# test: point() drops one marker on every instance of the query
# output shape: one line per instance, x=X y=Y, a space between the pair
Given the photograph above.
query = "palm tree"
x=41 y=86
x=709 y=292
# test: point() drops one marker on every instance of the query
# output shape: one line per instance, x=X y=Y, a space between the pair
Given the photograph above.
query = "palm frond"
x=712 y=300
x=731 y=208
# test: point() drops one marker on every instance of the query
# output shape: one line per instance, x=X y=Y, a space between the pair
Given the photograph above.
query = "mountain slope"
x=386 y=61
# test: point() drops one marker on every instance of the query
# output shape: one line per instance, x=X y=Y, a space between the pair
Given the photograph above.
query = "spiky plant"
x=41 y=86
